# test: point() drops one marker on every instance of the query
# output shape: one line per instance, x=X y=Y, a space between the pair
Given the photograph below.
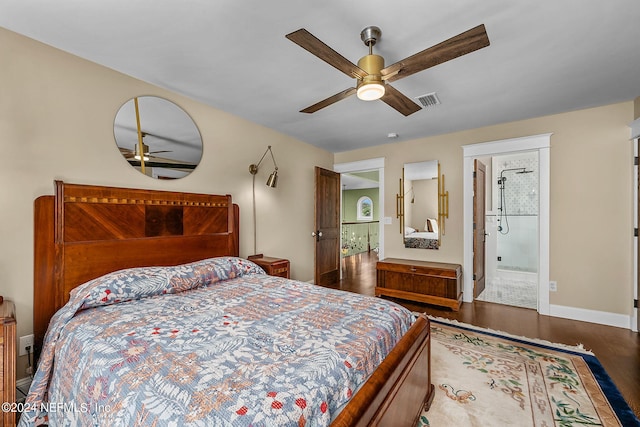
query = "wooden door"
x=479 y=172
x=327 y=227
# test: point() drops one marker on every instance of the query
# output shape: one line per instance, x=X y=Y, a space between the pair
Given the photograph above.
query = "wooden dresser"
x=422 y=281
x=7 y=360
x=272 y=266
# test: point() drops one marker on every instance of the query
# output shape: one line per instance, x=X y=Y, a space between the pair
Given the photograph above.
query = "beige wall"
x=425 y=202
x=591 y=200
x=56 y=122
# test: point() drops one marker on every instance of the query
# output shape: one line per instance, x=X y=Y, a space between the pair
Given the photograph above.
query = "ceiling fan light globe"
x=370 y=91
x=136 y=151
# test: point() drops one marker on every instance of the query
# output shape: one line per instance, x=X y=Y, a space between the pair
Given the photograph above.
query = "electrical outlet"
x=553 y=286
x=26 y=341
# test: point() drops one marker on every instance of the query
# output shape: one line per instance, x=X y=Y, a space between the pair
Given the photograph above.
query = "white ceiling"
x=545 y=57
x=359 y=181
x=421 y=170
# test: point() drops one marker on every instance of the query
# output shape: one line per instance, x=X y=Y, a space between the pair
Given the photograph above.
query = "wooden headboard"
x=85 y=231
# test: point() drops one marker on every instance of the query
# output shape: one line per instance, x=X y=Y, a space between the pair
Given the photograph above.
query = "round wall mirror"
x=164 y=133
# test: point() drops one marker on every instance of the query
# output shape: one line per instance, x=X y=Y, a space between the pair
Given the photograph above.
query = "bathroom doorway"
x=540 y=145
x=511 y=227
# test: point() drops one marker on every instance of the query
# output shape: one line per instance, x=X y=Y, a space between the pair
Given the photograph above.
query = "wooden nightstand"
x=273 y=266
x=7 y=360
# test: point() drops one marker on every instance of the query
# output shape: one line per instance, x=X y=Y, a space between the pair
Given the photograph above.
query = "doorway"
x=360 y=220
x=511 y=229
x=362 y=207
x=538 y=146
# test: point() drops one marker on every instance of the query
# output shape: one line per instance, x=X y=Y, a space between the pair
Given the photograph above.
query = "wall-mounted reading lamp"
x=272 y=182
x=273 y=178
x=413 y=194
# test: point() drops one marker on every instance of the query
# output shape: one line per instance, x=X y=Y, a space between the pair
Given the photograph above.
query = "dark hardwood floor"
x=617 y=349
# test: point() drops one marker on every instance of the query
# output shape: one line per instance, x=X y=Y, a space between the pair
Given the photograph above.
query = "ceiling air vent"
x=429 y=100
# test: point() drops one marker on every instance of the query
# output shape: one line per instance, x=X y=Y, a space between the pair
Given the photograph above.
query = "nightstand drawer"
x=272 y=266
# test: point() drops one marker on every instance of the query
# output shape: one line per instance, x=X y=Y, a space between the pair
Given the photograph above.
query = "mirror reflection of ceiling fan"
x=135 y=152
x=372 y=77
x=149 y=159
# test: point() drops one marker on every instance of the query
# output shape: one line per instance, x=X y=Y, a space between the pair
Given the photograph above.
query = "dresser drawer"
x=7 y=360
x=1 y=364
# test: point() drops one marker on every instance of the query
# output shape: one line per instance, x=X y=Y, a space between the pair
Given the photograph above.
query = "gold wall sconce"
x=272 y=182
x=443 y=202
x=400 y=203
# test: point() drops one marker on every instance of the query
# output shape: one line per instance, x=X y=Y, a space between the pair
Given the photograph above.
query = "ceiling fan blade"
x=396 y=99
x=330 y=100
x=311 y=43
x=467 y=42
x=166 y=165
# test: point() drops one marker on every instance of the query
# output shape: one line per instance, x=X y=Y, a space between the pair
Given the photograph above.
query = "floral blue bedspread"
x=211 y=343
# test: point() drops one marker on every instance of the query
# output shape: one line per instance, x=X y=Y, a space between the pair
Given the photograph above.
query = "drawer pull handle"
x=413 y=269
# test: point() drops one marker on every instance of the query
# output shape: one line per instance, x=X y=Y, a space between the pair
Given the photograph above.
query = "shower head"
x=519 y=170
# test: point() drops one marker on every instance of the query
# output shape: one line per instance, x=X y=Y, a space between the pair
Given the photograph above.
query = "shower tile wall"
x=518 y=249
x=521 y=189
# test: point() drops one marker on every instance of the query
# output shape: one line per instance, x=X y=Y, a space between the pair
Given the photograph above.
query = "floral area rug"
x=483 y=377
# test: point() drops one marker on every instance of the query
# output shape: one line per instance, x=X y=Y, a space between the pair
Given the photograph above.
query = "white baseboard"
x=24 y=383
x=592 y=316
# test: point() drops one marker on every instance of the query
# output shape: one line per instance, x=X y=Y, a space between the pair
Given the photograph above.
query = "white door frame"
x=635 y=322
x=541 y=144
x=367 y=165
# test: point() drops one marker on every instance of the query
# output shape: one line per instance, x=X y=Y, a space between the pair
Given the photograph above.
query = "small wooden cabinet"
x=273 y=266
x=7 y=360
x=422 y=281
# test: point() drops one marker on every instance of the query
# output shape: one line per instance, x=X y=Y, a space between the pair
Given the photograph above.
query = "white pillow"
x=409 y=230
x=434 y=224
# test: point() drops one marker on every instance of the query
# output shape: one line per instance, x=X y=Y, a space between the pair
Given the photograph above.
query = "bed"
x=420 y=239
x=180 y=252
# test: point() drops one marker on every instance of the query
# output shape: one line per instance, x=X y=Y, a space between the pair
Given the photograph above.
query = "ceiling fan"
x=135 y=159
x=135 y=152
x=373 y=77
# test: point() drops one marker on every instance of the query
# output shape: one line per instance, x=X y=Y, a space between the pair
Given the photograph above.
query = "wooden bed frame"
x=84 y=231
